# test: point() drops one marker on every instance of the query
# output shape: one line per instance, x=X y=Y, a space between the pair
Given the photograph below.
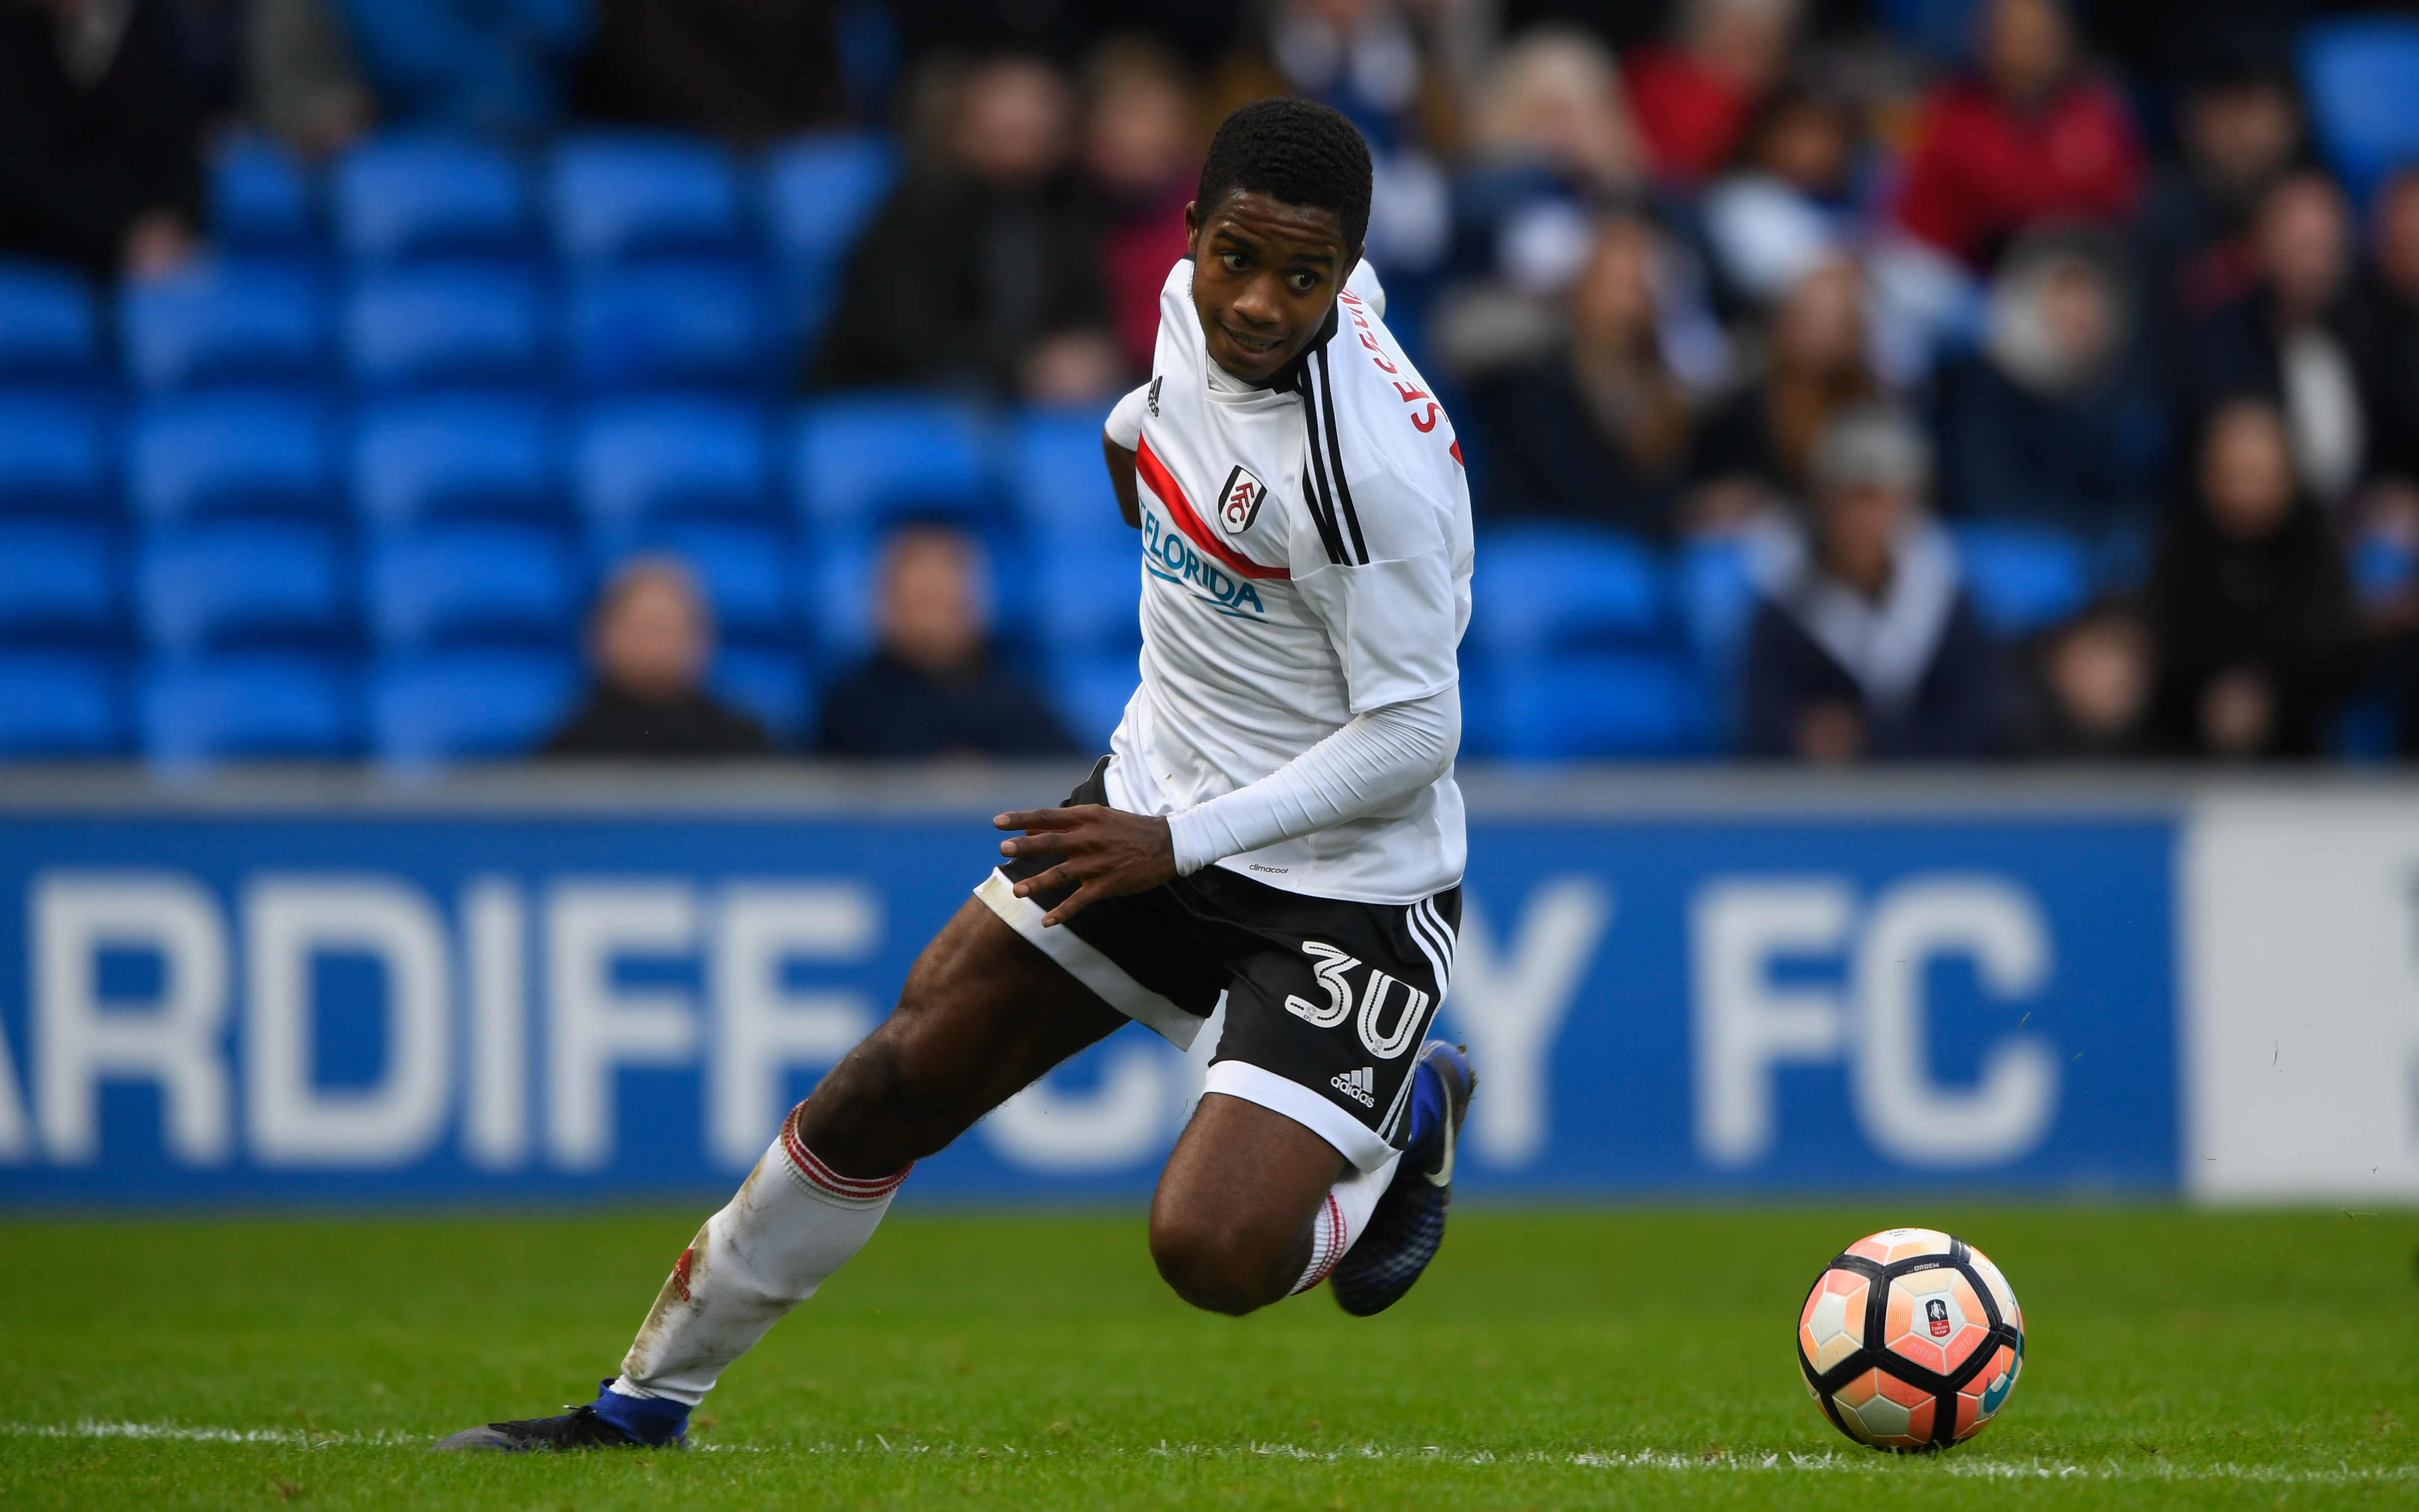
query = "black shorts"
x=1327 y=1002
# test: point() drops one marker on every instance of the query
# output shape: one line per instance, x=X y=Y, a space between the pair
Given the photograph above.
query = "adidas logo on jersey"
x=1361 y=1086
x=1152 y=399
x=1239 y=505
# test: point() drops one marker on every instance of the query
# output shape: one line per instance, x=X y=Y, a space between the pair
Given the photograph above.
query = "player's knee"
x=1214 y=1268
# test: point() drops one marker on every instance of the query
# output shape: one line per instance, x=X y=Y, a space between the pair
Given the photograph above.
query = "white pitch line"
x=1651 y=1460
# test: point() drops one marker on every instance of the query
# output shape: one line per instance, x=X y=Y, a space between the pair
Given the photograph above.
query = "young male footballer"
x=1277 y=825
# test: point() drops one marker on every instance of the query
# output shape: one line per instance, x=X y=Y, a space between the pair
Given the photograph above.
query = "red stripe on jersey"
x=1163 y=483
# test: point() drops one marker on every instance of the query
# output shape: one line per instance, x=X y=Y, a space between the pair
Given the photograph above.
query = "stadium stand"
x=219 y=325
x=668 y=326
x=621 y=197
x=2359 y=74
x=637 y=464
x=818 y=192
x=55 y=456
x=470 y=585
x=239 y=584
x=204 y=710
x=415 y=198
x=59 y=705
x=58 y=581
x=427 y=711
x=261 y=200
x=50 y=329
x=2021 y=578
x=446 y=327
x=191 y=458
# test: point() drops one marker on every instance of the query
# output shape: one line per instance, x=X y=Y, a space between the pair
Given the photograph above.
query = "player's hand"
x=1109 y=853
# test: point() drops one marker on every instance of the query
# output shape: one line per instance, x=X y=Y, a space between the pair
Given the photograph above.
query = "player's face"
x=1265 y=275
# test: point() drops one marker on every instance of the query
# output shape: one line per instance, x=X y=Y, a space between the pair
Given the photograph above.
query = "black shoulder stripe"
x=1335 y=456
x=1314 y=478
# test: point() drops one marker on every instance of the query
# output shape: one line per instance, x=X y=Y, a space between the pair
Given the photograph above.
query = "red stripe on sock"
x=814 y=1171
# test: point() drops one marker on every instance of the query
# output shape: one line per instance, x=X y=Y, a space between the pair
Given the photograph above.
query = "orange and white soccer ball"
x=1911 y=1341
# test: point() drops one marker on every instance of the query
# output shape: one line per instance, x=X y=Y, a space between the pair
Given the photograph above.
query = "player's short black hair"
x=1295 y=151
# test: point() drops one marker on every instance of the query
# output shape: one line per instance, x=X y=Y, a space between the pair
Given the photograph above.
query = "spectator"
x=2386 y=332
x=2257 y=632
x=2044 y=424
x=1551 y=143
x=2029 y=138
x=1141 y=157
x=2084 y=688
x=483 y=65
x=1756 y=451
x=931 y=687
x=1785 y=206
x=1596 y=427
x=1693 y=98
x=1864 y=645
x=982 y=272
x=2289 y=336
x=743 y=70
x=301 y=83
x=100 y=135
x=651 y=641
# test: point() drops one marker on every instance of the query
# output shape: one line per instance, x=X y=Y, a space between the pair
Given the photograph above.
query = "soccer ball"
x=1911 y=1339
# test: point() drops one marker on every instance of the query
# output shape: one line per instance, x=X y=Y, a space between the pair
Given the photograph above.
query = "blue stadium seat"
x=2022 y=578
x=53 y=457
x=58 y=581
x=260 y=198
x=667 y=325
x=58 y=706
x=820 y=192
x=746 y=570
x=1058 y=482
x=219 y=708
x=229 y=455
x=858 y=463
x=2359 y=76
x=432 y=327
x=248 y=584
x=618 y=195
x=773 y=685
x=418 y=460
x=223 y=324
x=1597 y=705
x=638 y=463
x=50 y=330
x=469 y=706
x=1544 y=590
x=471 y=584
x=1090 y=694
x=411 y=197
x=1714 y=587
x=1087 y=599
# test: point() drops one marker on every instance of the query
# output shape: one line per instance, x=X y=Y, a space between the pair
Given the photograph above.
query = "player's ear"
x=1191 y=228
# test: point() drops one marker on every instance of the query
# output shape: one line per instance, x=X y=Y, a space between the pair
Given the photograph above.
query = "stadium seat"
x=667 y=325
x=1714 y=589
x=638 y=463
x=820 y=192
x=2359 y=76
x=50 y=330
x=418 y=460
x=196 y=712
x=53 y=457
x=471 y=584
x=857 y=464
x=432 y=327
x=1058 y=483
x=1546 y=589
x=770 y=683
x=1087 y=599
x=246 y=584
x=746 y=570
x=467 y=705
x=409 y=197
x=227 y=455
x=2022 y=578
x=260 y=199
x=58 y=706
x=57 y=580
x=223 y=324
x=1090 y=694
x=615 y=196
x=1596 y=706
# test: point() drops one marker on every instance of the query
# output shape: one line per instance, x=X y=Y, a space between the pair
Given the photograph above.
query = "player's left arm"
x=1120 y=440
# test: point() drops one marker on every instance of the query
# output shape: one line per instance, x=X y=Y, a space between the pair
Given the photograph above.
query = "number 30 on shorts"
x=1333 y=968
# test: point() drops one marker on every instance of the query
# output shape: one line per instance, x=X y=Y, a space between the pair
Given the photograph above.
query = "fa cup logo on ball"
x=1937 y=1311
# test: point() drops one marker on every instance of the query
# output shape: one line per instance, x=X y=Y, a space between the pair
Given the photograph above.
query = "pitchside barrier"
x=320 y=988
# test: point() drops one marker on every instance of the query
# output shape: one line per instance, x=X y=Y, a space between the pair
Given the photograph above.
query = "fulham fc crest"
x=1239 y=505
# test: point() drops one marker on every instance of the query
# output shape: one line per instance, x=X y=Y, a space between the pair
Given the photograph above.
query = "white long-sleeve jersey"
x=1306 y=560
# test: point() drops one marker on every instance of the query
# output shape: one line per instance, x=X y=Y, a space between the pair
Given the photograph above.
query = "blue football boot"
x=1408 y=1223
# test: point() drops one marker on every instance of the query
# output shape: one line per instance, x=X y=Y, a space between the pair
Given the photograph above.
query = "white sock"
x=1341 y=1218
x=793 y=1222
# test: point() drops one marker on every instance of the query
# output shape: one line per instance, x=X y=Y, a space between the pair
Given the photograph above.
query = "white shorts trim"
x=1088 y=966
x=1255 y=1084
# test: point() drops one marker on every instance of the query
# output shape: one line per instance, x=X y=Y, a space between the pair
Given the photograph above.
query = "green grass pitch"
x=1551 y=1359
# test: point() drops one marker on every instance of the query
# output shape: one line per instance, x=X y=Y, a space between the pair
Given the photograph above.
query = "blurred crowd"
x=1828 y=281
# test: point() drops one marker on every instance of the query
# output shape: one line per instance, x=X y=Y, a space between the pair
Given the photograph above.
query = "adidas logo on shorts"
x=1361 y=1086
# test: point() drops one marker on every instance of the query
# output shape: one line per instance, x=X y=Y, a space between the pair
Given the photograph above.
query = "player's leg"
x=1237 y=1221
x=982 y=1015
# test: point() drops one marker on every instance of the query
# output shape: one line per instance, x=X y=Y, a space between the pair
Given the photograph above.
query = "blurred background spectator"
x=2082 y=688
x=745 y=70
x=649 y=642
x=1756 y=451
x=485 y=65
x=1142 y=157
x=303 y=85
x=1786 y=202
x=982 y=272
x=933 y=686
x=100 y=134
x=1864 y=646
x=1694 y=97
